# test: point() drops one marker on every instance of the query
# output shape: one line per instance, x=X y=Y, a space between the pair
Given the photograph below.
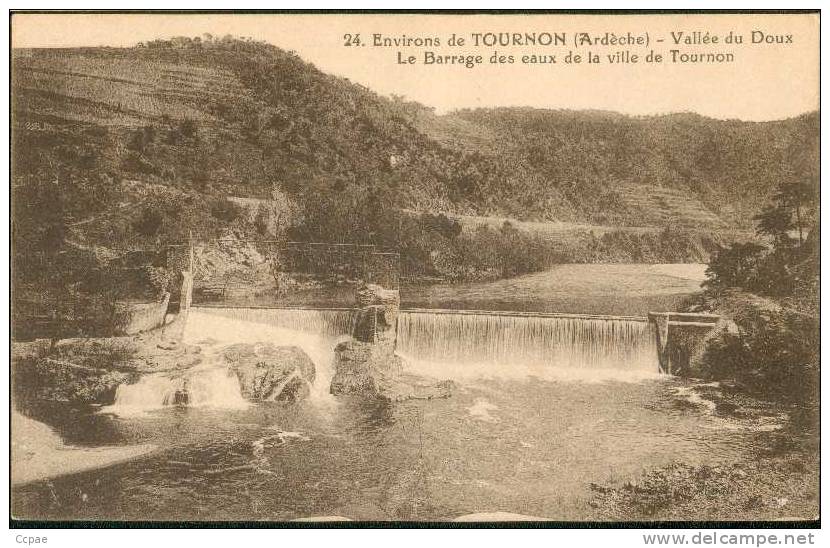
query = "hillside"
x=264 y=115
x=666 y=169
x=124 y=146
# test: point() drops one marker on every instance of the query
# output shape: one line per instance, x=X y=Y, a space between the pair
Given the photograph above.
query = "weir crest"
x=446 y=341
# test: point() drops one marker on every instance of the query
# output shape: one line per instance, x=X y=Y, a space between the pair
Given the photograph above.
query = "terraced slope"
x=120 y=92
x=661 y=206
x=237 y=118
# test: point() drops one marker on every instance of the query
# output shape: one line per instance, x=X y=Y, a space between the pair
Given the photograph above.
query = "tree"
x=149 y=223
x=791 y=209
x=734 y=266
x=775 y=221
x=802 y=198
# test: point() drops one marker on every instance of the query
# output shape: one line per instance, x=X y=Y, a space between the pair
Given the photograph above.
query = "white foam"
x=479 y=370
x=481 y=410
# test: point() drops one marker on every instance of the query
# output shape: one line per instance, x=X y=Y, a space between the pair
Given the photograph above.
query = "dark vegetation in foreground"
x=771 y=292
x=774 y=487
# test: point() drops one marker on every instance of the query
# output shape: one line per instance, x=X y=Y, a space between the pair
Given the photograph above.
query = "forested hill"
x=176 y=125
x=624 y=170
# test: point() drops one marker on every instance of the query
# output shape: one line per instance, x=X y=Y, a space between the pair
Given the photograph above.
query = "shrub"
x=149 y=223
x=134 y=162
x=225 y=210
x=734 y=266
x=774 y=352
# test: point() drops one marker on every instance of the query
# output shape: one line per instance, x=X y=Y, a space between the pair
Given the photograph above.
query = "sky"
x=764 y=82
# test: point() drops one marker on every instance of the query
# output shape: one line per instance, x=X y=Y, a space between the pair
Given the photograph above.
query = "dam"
x=554 y=396
x=466 y=341
x=560 y=396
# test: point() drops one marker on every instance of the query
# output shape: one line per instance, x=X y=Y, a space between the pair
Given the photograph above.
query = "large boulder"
x=371 y=370
x=368 y=366
x=267 y=372
x=50 y=379
x=364 y=369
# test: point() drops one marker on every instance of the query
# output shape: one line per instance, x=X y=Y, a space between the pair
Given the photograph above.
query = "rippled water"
x=505 y=441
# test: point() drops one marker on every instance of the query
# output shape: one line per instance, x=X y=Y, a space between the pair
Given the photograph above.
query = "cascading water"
x=326 y=322
x=201 y=386
x=460 y=344
x=316 y=332
x=447 y=344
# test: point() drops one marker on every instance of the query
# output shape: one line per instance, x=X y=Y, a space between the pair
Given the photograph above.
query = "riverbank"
x=81 y=372
x=38 y=453
x=778 y=482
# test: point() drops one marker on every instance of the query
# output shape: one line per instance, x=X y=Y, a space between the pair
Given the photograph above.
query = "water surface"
x=525 y=440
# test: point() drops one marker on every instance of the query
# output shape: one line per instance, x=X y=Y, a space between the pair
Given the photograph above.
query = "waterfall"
x=327 y=322
x=198 y=387
x=445 y=344
x=315 y=331
x=458 y=344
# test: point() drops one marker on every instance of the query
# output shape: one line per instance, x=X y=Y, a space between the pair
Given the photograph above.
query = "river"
x=525 y=432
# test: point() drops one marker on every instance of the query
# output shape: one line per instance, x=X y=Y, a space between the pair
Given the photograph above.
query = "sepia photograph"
x=407 y=269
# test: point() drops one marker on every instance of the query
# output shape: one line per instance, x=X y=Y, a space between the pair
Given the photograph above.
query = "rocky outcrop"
x=378 y=315
x=413 y=387
x=59 y=380
x=368 y=366
x=267 y=372
x=364 y=368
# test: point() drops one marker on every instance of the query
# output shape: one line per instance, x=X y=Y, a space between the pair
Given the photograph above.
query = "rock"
x=372 y=370
x=411 y=387
x=364 y=369
x=267 y=372
x=368 y=365
x=377 y=314
x=169 y=345
x=49 y=379
x=167 y=357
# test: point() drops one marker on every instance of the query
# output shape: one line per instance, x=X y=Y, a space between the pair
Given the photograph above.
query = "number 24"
x=351 y=39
